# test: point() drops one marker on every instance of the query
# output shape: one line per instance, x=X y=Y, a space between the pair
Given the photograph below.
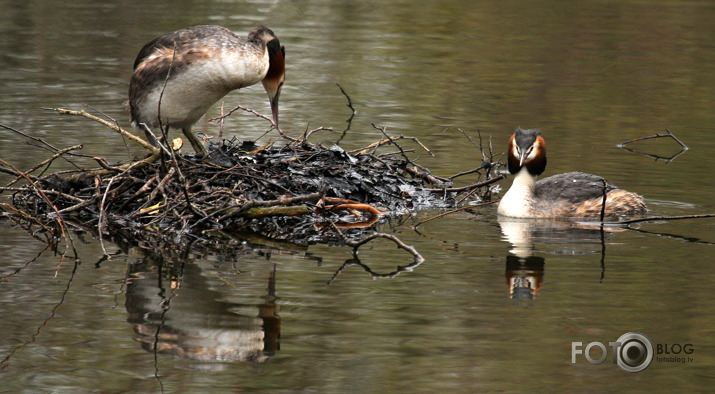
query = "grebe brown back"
x=573 y=194
x=190 y=69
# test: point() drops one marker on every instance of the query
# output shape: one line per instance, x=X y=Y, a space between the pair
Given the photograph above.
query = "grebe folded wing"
x=573 y=187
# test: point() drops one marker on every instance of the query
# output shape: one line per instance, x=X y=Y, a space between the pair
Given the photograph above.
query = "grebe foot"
x=199 y=148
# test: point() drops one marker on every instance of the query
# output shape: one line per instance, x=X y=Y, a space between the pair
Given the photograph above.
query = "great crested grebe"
x=190 y=69
x=573 y=194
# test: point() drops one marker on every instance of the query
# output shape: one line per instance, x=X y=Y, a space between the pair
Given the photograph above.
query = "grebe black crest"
x=189 y=70
x=573 y=194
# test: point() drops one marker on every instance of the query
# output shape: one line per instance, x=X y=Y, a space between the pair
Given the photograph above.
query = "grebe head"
x=273 y=81
x=527 y=149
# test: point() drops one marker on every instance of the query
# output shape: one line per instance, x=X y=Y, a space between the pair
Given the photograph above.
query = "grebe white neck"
x=518 y=200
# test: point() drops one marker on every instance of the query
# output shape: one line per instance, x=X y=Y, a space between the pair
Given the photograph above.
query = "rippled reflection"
x=525 y=265
x=176 y=309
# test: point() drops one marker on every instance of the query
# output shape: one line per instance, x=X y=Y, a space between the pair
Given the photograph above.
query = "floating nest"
x=297 y=192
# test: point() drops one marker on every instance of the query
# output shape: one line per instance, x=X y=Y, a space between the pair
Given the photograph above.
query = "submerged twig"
x=350 y=102
x=654 y=218
x=356 y=244
x=453 y=211
x=349 y=121
x=683 y=147
x=389 y=275
x=670 y=134
x=467 y=188
x=604 y=192
x=53 y=312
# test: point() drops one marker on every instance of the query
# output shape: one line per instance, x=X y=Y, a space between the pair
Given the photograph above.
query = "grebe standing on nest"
x=573 y=194
x=190 y=69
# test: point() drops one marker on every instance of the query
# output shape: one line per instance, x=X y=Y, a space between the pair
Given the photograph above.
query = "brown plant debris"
x=289 y=192
x=297 y=192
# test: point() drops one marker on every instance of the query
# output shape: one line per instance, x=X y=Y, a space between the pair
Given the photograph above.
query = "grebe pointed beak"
x=273 y=88
x=522 y=157
x=274 y=106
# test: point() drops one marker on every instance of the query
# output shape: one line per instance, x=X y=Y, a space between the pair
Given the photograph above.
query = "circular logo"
x=635 y=353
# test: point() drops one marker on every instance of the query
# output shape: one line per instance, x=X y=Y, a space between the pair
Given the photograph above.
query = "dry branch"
x=261 y=212
x=453 y=211
x=279 y=207
x=113 y=126
x=683 y=147
x=418 y=259
x=669 y=134
x=251 y=111
x=666 y=218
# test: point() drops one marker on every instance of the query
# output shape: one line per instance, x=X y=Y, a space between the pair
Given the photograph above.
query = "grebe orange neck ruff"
x=573 y=194
x=189 y=70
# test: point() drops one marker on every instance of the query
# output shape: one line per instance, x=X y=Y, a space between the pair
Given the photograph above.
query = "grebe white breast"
x=573 y=194
x=189 y=70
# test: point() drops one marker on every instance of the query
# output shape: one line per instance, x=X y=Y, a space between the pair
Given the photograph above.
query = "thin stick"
x=670 y=134
x=355 y=261
x=470 y=187
x=116 y=123
x=40 y=140
x=249 y=110
x=454 y=211
x=53 y=312
x=479 y=146
x=652 y=218
x=233 y=211
x=402 y=151
x=145 y=144
x=29 y=217
x=373 y=146
x=472 y=171
x=306 y=134
x=683 y=147
x=350 y=102
x=356 y=244
x=470 y=138
x=603 y=201
x=349 y=121
x=222 y=120
x=40 y=193
x=101 y=215
x=418 y=142
x=48 y=161
x=357 y=207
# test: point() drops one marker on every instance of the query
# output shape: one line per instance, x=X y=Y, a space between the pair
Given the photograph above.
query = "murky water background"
x=590 y=74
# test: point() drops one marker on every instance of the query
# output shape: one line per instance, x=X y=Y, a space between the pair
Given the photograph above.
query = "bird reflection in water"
x=176 y=310
x=524 y=276
x=525 y=269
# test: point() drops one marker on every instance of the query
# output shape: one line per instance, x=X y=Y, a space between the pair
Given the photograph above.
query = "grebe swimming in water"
x=191 y=69
x=573 y=194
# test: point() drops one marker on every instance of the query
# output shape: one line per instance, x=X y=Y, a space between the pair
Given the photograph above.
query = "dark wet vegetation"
x=293 y=191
